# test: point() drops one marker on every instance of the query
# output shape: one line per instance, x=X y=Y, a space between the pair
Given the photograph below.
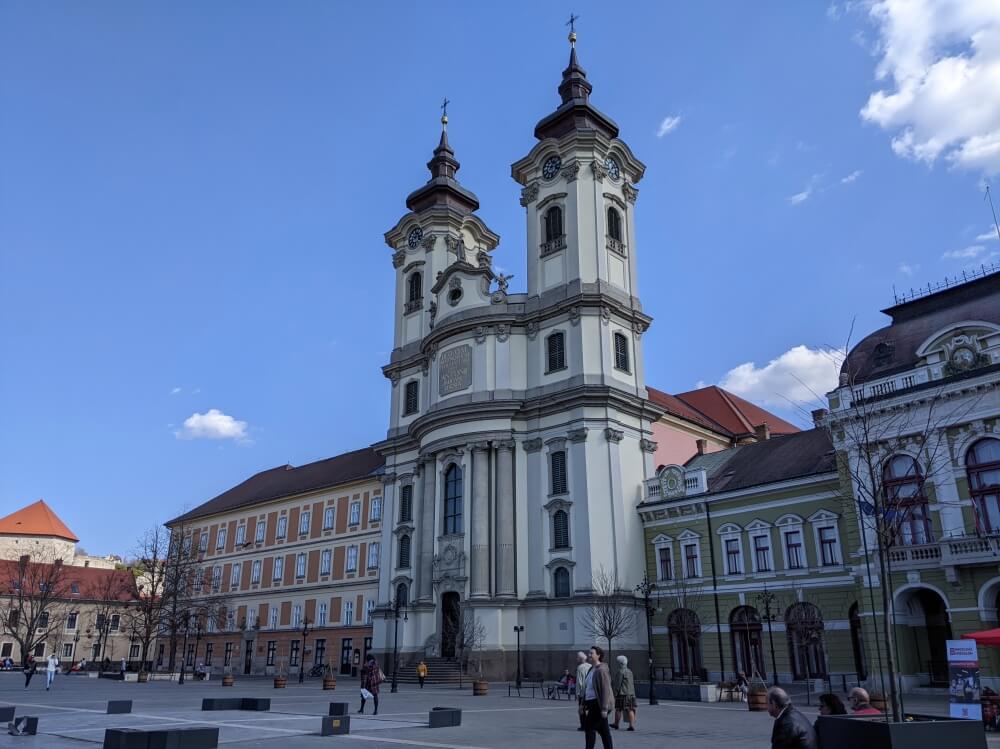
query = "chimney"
x=702 y=446
x=819 y=416
x=762 y=432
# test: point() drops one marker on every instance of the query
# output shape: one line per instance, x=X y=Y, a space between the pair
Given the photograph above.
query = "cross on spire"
x=444 y=111
x=573 y=18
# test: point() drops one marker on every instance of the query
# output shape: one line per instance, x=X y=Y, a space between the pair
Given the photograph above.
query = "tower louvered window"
x=557 y=467
x=621 y=352
x=553 y=223
x=555 y=352
x=614 y=224
x=404 y=553
x=414 y=288
x=412 y=398
x=406 y=503
x=560 y=530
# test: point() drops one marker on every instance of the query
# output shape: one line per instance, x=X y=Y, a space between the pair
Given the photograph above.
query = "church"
x=522 y=433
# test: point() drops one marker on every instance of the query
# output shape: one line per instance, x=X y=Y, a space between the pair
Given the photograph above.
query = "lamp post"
x=76 y=639
x=395 y=607
x=302 y=664
x=185 y=625
x=646 y=589
x=767 y=599
x=518 y=629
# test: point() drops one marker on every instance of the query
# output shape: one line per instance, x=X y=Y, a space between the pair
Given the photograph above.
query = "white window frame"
x=348 y=613
x=373 y=554
x=279 y=568
x=351 y=564
x=220 y=538
x=300 y=565
x=688 y=538
x=355 y=514
x=216 y=578
x=826 y=519
x=272 y=617
x=241 y=534
x=235 y=574
x=329 y=517
x=260 y=531
x=321 y=615
x=369 y=610
x=325 y=562
x=659 y=543
x=756 y=529
x=305 y=517
x=296 y=615
x=255 y=571
x=282 y=526
x=732 y=532
x=375 y=510
x=786 y=524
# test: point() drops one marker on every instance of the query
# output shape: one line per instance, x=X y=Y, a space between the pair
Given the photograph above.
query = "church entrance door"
x=450 y=617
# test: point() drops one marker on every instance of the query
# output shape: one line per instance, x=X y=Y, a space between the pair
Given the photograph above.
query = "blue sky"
x=193 y=196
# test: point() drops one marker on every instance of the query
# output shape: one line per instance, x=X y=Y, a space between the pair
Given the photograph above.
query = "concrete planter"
x=916 y=732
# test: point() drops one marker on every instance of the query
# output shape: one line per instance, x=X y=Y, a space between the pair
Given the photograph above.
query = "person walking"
x=421 y=673
x=582 y=668
x=371 y=677
x=29 y=670
x=598 y=701
x=51 y=666
x=624 y=686
x=792 y=730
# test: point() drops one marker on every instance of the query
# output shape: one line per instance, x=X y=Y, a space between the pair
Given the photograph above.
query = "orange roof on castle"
x=36 y=519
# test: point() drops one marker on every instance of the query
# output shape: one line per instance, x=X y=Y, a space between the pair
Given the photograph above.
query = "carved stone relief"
x=529 y=194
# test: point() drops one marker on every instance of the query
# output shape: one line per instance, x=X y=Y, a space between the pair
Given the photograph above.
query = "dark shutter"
x=614 y=224
x=412 y=397
x=406 y=504
x=621 y=352
x=556 y=353
x=404 y=552
x=557 y=466
x=560 y=530
x=562 y=582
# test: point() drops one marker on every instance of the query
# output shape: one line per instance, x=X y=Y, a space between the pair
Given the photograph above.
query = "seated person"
x=560 y=686
x=858 y=698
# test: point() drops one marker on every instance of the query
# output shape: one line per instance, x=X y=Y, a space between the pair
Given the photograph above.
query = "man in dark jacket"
x=792 y=730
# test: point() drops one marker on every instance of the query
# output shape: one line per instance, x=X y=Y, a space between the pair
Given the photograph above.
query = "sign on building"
x=963 y=679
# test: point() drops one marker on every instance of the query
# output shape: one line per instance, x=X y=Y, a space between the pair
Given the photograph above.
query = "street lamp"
x=767 y=599
x=302 y=663
x=185 y=625
x=395 y=607
x=518 y=629
x=646 y=589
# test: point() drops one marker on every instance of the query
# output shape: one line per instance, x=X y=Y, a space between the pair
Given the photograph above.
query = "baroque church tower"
x=520 y=430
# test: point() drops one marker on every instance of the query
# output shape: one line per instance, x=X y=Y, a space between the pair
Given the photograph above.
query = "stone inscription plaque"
x=454 y=370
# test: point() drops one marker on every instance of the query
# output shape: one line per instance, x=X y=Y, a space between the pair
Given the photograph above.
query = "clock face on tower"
x=414 y=237
x=551 y=167
x=614 y=171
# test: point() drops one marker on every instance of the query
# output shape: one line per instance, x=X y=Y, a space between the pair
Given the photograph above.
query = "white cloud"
x=800 y=197
x=668 y=125
x=175 y=391
x=212 y=425
x=851 y=177
x=908 y=270
x=966 y=253
x=990 y=235
x=939 y=68
x=800 y=375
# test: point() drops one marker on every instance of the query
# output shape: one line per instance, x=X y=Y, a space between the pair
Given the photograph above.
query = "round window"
x=454 y=297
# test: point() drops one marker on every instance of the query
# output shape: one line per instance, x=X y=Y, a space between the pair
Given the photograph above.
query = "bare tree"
x=686 y=597
x=34 y=600
x=470 y=638
x=145 y=617
x=109 y=594
x=612 y=613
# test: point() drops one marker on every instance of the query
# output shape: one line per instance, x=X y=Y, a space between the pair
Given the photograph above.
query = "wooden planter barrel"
x=228 y=680
x=877 y=701
x=757 y=701
x=143 y=677
x=329 y=682
x=280 y=682
x=480 y=688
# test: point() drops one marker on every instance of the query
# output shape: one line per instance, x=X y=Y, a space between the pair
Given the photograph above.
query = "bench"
x=335 y=725
x=258 y=704
x=444 y=717
x=170 y=738
x=119 y=707
x=7 y=714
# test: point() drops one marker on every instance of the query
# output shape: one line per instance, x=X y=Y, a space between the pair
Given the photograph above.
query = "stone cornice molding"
x=533 y=445
x=614 y=435
x=577 y=435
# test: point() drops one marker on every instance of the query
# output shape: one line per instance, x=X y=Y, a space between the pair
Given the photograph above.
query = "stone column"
x=506 y=566
x=428 y=500
x=480 y=546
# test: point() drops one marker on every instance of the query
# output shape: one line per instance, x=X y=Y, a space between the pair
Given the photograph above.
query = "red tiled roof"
x=36 y=519
x=83 y=583
x=735 y=414
x=677 y=407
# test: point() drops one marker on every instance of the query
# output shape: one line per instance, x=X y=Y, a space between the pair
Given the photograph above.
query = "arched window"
x=804 y=626
x=614 y=224
x=414 y=288
x=982 y=466
x=748 y=650
x=402 y=594
x=858 y=643
x=453 y=499
x=553 y=223
x=684 y=630
x=404 y=552
x=560 y=582
x=560 y=530
x=906 y=505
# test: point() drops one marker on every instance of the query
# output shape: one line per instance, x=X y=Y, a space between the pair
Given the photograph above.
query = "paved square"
x=73 y=715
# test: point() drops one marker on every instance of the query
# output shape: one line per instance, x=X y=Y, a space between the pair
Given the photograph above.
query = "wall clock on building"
x=551 y=167
x=414 y=237
x=614 y=171
x=671 y=481
x=963 y=358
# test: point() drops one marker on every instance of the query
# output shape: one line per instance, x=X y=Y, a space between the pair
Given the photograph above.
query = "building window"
x=260 y=530
x=216 y=579
x=300 y=565
x=560 y=583
x=555 y=352
x=230 y=619
x=325 y=561
x=304 y=522
x=352 y=558
x=71 y=620
x=369 y=610
x=251 y=618
x=279 y=567
x=282 y=526
x=553 y=223
x=227 y=659
x=293 y=655
x=241 y=535
x=272 y=649
x=402 y=594
x=199 y=576
x=453 y=500
x=762 y=553
x=621 y=352
x=328 y=519
x=793 y=550
x=296 y=615
x=348 y=612
x=666 y=563
x=684 y=631
x=557 y=472
x=804 y=626
x=373 y=549
x=414 y=291
x=321 y=615
x=255 y=571
x=411 y=400
x=982 y=467
x=404 y=552
x=190 y=655
x=208 y=653
x=234 y=577
x=733 y=566
x=272 y=617
x=904 y=496
x=691 y=560
x=220 y=539
x=202 y=543
x=828 y=546
x=43 y=621
x=560 y=530
x=406 y=503
x=67 y=650
x=133 y=651
x=355 y=513
x=375 y=510
x=614 y=225
x=319 y=652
